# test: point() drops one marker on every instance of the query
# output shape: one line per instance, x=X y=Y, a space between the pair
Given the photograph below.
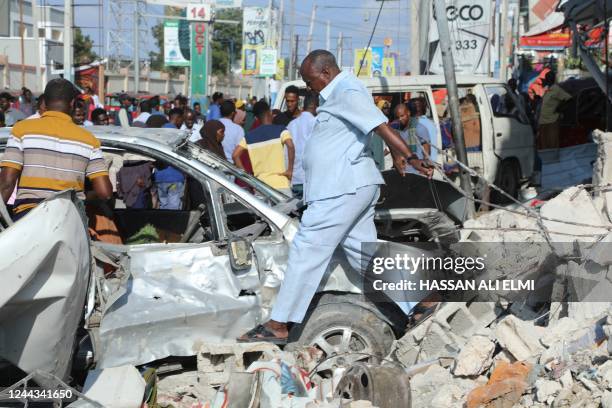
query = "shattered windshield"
x=250 y=182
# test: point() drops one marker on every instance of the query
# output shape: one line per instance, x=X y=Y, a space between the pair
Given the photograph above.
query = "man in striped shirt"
x=52 y=154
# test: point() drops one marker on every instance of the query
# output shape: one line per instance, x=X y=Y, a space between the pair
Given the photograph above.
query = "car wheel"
x=345 y=333
x=508 y=179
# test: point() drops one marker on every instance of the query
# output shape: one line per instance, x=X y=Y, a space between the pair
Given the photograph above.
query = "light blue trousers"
x=347 y=220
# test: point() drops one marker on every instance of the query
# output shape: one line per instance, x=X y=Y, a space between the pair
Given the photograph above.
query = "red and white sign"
x=199 y=12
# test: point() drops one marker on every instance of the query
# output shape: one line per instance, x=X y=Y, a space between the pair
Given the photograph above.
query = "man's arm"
x=102 y=187
x=236 y=156
x=8 y=181
x=290 y=156
x=400 y=151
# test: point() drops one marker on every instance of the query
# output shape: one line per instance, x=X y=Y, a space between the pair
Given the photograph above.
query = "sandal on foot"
x=261 y=333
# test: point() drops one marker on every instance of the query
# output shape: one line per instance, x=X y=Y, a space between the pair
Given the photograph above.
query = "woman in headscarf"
x=212 y=134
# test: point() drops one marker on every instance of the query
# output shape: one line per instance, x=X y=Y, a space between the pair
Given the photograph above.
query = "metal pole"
x=21 y=34
x=291 y=43
x=281 y=13
x=328 y=36
x=503 y=57
x=295 y=61
x=68 y=40
x=311 y=29
x=269 y=36
x=136 y=57
x=453 y=96
x=415 y=49
x=341 y=50
x=35 y=19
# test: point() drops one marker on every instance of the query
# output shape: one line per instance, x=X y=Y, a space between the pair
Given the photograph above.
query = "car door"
x=512 y=136
x=178 y=294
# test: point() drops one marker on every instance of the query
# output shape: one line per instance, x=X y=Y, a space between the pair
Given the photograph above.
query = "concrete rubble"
x=466 y=354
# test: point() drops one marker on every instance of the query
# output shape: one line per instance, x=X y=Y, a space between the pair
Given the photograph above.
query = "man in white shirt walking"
x=233 y=133
x=301 y=129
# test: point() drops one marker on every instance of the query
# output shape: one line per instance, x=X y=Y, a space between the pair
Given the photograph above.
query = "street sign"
x=199 y=12
x=199 y=58
x=173 y=55
x=267 y=62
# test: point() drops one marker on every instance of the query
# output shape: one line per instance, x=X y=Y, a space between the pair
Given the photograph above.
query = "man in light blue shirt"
x=341 y=188
x=214 y=110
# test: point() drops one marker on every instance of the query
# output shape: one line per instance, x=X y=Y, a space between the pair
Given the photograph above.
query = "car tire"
x=508 y=179
x=344 y=331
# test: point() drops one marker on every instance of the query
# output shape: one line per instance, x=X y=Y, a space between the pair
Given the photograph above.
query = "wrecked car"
x=214 y=267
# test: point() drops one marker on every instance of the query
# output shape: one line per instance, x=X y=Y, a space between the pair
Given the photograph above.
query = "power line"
x=382 y=3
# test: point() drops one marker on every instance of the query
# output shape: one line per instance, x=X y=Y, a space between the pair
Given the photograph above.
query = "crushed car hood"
x=45 y=265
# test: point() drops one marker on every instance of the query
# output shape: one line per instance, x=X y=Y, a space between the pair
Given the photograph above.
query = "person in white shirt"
x=274 y=88
x=233 y=132
x=191 y=124
x=419 y=107
x=301 y=129
x=145 y=112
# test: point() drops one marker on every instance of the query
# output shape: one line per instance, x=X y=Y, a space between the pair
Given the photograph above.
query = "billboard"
x=267 y=62
x=199 y=58
x=469 y=22
x=389 y=69
x=256 y=35
x=378 y=54
x=365 y=55
x=173 y=55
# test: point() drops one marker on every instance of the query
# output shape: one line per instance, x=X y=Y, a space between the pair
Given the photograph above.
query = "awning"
x=556 y=40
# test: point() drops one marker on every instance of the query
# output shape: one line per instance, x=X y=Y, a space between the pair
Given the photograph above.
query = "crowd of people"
x=264 y=142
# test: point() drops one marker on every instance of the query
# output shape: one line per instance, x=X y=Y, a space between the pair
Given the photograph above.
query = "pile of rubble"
x=476 y=354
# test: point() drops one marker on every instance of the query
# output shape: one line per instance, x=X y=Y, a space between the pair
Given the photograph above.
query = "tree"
x=226 y=44
x=157 y=57
x=225 y=37
x=83 y=48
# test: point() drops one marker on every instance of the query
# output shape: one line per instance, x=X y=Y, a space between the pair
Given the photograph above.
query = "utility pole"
x=136 y=61
x=311 y=29
x=340 y=49
x=453 y=97
x=328 y=36
x=293 y=49
x=295 y=61
x=415 y=49
x=68 y=57
x=37 y=41
x=281 y=13
x=503 y=58
x=22 y=34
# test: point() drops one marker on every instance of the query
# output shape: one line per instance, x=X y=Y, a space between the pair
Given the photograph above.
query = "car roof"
x=415 y=80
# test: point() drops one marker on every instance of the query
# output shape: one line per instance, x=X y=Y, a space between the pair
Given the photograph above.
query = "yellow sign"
x=280 y=69
x=250 y=59
x=366 y=68
x=389 y=67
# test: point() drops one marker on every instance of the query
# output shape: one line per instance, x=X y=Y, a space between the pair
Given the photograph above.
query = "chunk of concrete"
x=520 y=338
x=602 y=168
x=558 y=331
x=475 y=357
x=546 y=389
x=505 y=387
x=115 y=387
x=424 y=387
x=575 y=205
x=217 y=361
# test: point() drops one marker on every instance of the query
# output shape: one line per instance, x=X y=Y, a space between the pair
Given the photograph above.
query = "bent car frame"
x=213 y=274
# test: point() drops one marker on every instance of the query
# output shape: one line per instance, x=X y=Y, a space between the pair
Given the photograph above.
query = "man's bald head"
x=402 y=114
x=318 y=69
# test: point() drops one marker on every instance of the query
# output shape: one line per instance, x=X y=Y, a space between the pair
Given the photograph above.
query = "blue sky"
x=354 y=18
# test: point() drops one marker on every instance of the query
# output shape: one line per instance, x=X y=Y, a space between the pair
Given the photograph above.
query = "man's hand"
x=399 y=162
x=288 y=174
x=422 y=167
